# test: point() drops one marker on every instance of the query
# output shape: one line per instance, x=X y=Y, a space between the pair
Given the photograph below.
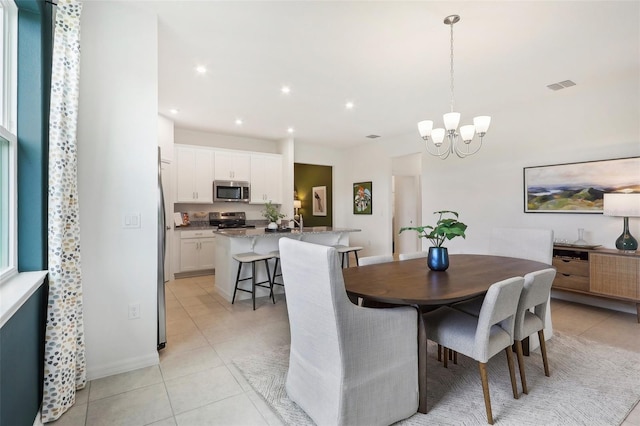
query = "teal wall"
x=22 y=337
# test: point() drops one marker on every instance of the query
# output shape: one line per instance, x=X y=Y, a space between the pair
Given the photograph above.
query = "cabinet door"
x=615 y=275
x=266 y=179
x=203 y=181
x=189 y=254
x=194 y=175
x=207 y=253
x=185 y=175
x=232 y=166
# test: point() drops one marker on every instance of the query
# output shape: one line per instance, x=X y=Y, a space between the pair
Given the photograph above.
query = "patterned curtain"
x=64 y=364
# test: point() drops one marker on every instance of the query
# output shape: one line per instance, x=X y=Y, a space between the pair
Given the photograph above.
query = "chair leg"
x=445 y=356
x=455 y=357
x=485 y=390
x=439 y=353
x=520 y=357
x=266 y=265
x=253 y=284
x=512 y=372
x=357 y=261
x=543 y=350
x=237 y=280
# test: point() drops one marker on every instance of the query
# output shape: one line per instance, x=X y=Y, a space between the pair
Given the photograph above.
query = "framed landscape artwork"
x=362 y=198
x=578 y=187
x=319 y=194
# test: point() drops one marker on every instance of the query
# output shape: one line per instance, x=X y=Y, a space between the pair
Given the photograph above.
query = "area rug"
x=590 y=384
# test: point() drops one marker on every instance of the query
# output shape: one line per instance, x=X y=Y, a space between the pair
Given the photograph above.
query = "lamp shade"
x=622 y=204
x=438 y=136
x=424 y=127
x=467 y=132
x=482 y=124
x=451 y=120
x=297 y=204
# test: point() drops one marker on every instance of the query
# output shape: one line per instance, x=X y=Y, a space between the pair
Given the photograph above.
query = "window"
x=8 y=139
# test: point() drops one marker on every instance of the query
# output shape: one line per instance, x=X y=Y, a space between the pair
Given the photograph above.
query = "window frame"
x=8 y=124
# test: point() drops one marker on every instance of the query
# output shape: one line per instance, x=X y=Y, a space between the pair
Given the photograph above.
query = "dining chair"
x=526 y=243
x=372 y=260
x=348 y=365
x=414 y=255
x=531 y=316
x=480 y=337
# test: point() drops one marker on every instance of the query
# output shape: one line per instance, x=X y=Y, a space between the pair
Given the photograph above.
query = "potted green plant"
x=272 y=214
x=447 y=228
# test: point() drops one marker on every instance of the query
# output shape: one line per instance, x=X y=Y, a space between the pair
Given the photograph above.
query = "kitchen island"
x=233 y=241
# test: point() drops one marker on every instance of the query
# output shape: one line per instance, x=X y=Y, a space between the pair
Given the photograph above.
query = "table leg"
x=422 y=365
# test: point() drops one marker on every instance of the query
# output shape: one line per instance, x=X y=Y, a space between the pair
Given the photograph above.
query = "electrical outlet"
x=134 y=310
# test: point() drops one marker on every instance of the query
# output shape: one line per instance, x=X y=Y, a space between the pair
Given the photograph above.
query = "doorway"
x=407 y=205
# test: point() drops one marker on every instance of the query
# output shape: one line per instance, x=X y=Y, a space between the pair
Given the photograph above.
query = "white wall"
x=117 y=173
x=195 y=137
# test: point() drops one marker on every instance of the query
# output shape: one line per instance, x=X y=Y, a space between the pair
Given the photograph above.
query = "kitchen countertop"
x=260 y=232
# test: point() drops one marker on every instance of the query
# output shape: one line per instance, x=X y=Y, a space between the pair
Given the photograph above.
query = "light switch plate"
x=131 y=221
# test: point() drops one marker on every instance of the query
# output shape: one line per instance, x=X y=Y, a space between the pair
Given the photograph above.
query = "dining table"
x=412 y=283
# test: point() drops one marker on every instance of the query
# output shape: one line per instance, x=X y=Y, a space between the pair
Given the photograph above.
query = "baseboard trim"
x=194 y=273
x=122 y=366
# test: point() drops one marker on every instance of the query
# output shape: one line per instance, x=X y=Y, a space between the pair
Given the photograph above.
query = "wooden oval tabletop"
x=411 y=282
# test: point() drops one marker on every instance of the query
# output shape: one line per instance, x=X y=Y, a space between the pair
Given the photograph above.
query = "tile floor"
x=197 y=384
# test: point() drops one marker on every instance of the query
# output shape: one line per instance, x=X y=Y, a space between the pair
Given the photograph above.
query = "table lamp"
x=624 y=205
x=297 y=204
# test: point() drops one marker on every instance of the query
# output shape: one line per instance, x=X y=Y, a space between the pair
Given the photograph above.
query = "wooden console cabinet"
x=600 y=272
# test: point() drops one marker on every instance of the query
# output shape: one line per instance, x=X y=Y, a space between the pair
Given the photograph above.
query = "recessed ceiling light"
x=201 y=69
x=238 y=121
x=285 y=89
x=173 y=111
x=349 y=105
x=290 y=130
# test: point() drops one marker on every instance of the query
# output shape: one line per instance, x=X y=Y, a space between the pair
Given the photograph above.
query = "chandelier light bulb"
x=425 y=127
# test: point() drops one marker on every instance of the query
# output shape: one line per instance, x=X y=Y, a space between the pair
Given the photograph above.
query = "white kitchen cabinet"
x=197 y=250
x=266 y=178
x=194 y=174
x=233 y=166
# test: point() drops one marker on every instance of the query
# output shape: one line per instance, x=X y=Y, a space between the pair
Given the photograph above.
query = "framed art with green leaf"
x=362 y=198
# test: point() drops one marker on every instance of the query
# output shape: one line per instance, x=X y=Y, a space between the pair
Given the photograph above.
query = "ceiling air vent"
x=373 y=136
x=561 y=85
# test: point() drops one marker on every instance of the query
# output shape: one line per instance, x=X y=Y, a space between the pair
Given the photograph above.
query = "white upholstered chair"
x=372 y=260
x=348 y=365
x=414 y=255
x=480 y=337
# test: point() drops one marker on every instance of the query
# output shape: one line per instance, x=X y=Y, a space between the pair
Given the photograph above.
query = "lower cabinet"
x=197 y=250
x=600 y=272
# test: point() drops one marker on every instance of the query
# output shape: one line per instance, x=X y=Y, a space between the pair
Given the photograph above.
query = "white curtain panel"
x=64 y=363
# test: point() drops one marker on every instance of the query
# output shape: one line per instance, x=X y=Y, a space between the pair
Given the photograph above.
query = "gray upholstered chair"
x=525 y=243
x=372 y=260
x=348 y=365
x=481 y=337
x=535 y=294
x=414 y=255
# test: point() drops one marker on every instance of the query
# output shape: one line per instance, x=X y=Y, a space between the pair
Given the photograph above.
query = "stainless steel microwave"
x=226 y=190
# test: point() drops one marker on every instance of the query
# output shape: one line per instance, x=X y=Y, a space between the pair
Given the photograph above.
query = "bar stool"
x=344 y=251
x=276 y=255
x=252 y=257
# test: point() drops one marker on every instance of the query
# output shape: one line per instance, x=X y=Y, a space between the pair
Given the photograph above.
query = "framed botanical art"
x=578 y=187
x=319 y=194
x=362 y=198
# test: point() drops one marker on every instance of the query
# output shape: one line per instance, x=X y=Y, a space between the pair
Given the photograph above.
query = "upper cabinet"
x=266 y=178
x=234 y=166
x=194 y=172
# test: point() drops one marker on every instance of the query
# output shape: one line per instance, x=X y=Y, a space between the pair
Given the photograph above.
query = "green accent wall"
x=305 y=177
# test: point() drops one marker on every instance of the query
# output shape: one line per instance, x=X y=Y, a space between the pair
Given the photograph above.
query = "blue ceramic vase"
x=438 y=259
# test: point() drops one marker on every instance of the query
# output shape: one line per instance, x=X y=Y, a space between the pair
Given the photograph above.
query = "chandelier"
x=458 y=142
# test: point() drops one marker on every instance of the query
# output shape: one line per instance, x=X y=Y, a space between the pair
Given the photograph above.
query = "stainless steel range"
x=226 y=220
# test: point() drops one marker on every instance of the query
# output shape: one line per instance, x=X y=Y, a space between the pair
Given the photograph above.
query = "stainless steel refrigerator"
x=162 y=248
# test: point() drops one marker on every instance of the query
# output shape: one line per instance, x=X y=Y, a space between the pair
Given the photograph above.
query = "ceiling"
x=390 y=58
